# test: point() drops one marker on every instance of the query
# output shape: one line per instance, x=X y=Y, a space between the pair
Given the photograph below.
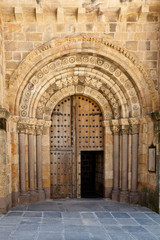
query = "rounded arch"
x=101 y=51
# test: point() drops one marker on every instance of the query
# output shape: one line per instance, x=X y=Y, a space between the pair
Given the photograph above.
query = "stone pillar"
x=39 y=130
x=5 y=195
x=124 y=160
x=31 y=163
x=22 y=164
x=46 y=159
x=116 y=156
x=134 y=127
x=108 y=159
x=156 y=119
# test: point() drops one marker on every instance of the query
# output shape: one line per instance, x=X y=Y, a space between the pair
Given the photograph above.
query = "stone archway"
x=103 y=72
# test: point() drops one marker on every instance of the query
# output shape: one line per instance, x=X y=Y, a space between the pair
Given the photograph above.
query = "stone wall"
x=133 y=25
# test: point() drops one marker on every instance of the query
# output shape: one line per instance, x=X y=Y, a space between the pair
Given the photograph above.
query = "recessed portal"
x=76 y=127
x=92 y=174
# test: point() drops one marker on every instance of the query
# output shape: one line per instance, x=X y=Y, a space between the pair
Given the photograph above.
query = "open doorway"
x=92 y=180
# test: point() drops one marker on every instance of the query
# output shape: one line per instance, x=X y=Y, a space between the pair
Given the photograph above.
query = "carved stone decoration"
x=61 y=81
x=134 y=125
x=115 y=127
x=21 y=128
x=39 y=129
x=94 y=5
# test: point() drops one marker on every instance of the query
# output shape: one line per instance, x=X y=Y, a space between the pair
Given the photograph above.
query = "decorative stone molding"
x=30 y=129
x=47 y=123
x=115 y=127
x=134 y=125
x=124 y=125
x=14 y=118
x=21 y=128
x=39 y=130
x=51 y=49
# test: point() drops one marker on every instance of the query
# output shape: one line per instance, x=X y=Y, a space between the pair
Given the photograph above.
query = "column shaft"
x=39 y=161
x=134 y=153
x=31 y=161
x=124 y=162
x=22 y=162
x=116 y=154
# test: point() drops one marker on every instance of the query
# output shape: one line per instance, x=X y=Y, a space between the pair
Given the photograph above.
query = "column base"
x=33 y=197
x=134 y=198
x=107 y=192
x=124 y=197
x=24 y=198
x=41 y=195
x=115 y=195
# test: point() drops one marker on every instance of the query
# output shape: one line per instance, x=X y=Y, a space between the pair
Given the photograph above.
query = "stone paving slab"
x=80 y=219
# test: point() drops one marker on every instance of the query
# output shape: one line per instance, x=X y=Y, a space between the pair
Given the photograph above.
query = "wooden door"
x=76 y=126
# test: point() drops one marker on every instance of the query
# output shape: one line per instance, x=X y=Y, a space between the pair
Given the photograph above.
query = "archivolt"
x=125 y=78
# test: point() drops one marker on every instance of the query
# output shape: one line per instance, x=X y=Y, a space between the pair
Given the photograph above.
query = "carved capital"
x=124 y=129
x=106 y=123
x=115 y=127
x=134 y=125
x=30 y=129
x=14 y=118
x=21 y=128
x=47 y=123
x=115 y=130
x=39 y=130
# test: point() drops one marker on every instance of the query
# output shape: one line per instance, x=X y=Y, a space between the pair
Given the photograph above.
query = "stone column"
x=108 y=159
x=116 y=156
x=156 y=119
x=5 y=195
x=31 y=163
x=22 y=166
x=124 y=160
x=39 y=130
x=134 y=127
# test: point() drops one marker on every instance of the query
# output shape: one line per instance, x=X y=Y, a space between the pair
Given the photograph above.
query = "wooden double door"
x=76 y=127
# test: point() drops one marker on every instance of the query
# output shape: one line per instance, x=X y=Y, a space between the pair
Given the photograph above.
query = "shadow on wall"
x=149 y=198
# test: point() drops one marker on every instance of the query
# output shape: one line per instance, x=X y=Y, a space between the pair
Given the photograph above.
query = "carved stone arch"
x=117 y=54
x=119 y=94
x=78 y=90
x=43 y=94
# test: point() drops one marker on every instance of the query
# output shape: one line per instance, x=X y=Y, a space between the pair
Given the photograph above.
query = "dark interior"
x=92 y=174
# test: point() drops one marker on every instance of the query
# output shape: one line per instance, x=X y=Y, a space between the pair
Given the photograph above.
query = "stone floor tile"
x=146 y=221
x=138 y=215
x=90 y=222
x=145 y=236
x=72 y=221
x=52 y=215
x=75 y=228
x=135 y=229
x=14 y=214
x=120 y=215
x=51 y=228
x=31 y=220
x=123 y=236
x=50 y=236
x=108 y=221
x=71 y=215
x=32 y=214
x=77 y=236
x=126 y=221
x=88 y=215
x=103 y=215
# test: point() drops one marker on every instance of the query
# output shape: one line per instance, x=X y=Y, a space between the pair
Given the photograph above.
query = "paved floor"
x=83 y=219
